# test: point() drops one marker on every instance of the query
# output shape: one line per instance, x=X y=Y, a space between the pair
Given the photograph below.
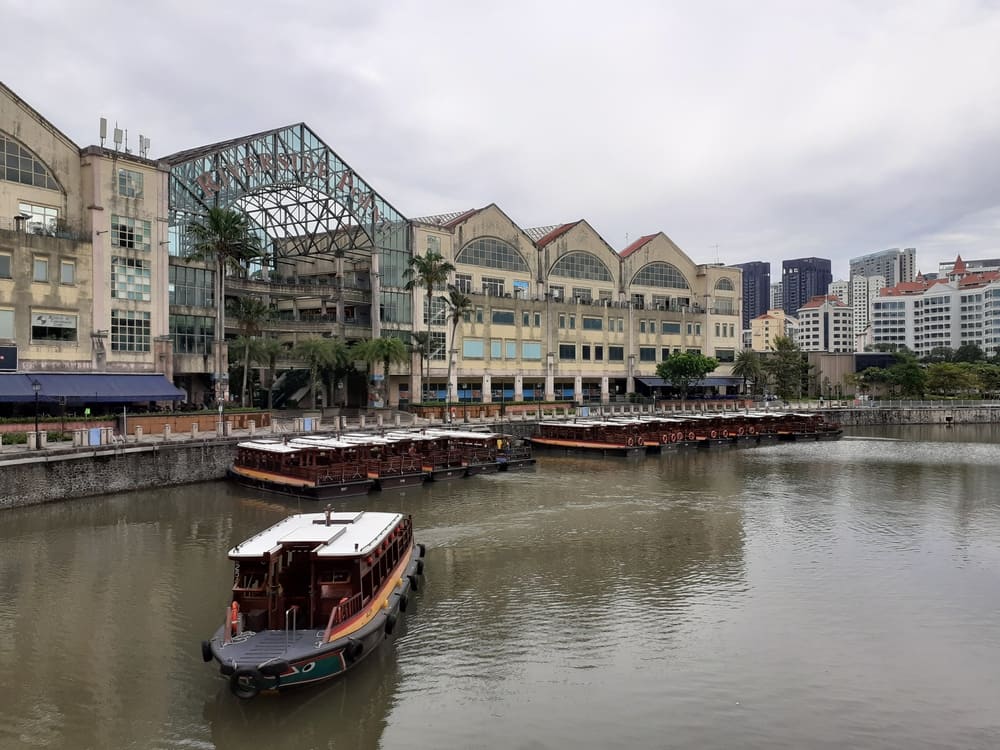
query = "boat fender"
x=206 y=651
x=226 y=669
x=404 y=602
x=420 y=567
x=422 y=548
x=413 y=583
x=390 y=623
x=245 y=683
x=274 y=668
x=353 y=650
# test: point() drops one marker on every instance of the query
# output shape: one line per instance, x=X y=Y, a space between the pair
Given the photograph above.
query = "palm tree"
x=224 y=238
x=266 y=352
x=459 y=305
x=340 y=364
x=749 y=367
x=318 y=354
x=386 y=350
x=420 y=344
x=428 y=271
x=250 y=312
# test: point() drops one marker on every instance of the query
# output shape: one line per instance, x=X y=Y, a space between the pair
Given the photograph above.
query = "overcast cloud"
x=745 y=131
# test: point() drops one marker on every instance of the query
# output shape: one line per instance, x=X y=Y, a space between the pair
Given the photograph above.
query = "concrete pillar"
x=194 y=430
x=220 y=429
x=166 y=432
x=343 y=423
x=251 y=427
x=398 y=420
x=32 y=440
x=361 y=422
x=519 y=388
x=379 y=419
x=138 y=433
x=487 y=388
x=578 y=389
x=605 y=390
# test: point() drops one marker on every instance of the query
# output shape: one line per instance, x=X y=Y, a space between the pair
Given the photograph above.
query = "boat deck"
x=250 y=648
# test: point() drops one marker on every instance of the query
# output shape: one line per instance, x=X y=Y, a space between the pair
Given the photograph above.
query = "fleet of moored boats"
x=316 y=592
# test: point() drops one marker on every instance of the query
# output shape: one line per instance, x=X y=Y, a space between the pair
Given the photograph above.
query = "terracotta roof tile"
x=639 y=243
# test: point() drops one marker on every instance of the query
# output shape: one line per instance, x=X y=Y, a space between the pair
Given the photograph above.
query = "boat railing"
x=396 y=465
x=339 y=474
x=294 y=612
x=346 y=608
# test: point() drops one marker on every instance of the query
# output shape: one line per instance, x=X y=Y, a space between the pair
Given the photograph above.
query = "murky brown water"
x=821 y=595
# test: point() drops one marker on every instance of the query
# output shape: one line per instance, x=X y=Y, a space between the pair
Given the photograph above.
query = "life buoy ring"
x=245 y=683
x=674 y=437
x=690 y=436
x=740 y=432
x=234 y=618
x=714 y=434
x=664 y=438
x=752 y=429
x=725 y=433
x=629 y=441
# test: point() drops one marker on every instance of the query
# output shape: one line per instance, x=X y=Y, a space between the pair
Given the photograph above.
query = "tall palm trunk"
x=220 y=331
x=246 y=373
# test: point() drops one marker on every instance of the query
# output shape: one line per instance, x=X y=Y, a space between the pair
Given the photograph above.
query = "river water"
x=814 y=595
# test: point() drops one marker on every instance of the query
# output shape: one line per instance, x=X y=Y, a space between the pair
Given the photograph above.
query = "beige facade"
x=764 y=329
x=559 y=314
x=83 y=263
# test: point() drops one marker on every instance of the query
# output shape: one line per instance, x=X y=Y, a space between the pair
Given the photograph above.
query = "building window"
x=562 y=320
x=492 y=253
x=621 y=324
x=510 y=349
x=6 y=324
x=130 y=279
x=40 y=269
x=193 y=287
x=496 y=348
x=581 y=265
x=130 y=233
x=502 y=317
x=639 y=301
x=53 y=327
x=660 y=274
x=130 y=331
x=493 y=287
x=192 y=334
x=599 y=353
x=592 y=324
x=5 y=266
x=463 y=283
x=572 y=322
x=668 y=327
x=526 y=319
x=41 y=219
x=647 y=353
x=479 y=315
x=538 y=320
x=531 y=350
x=724 y=285
x=642 y=326
x=567 y=352
x=67 y=272
x=557 y=292
x=585 y=352
x=437 y=344
x=439 y=311
x=725 y=355
x=616 y=354
x=582 y=294
x=472 y=348
x=18 y=164
x=129 y=183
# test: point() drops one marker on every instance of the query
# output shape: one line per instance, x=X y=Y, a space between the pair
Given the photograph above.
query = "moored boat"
x=318 y=469
x=312 y=596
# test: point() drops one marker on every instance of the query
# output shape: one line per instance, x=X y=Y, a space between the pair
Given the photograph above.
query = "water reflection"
x=813 y=595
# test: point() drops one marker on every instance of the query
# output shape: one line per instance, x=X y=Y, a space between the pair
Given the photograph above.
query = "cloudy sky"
x=745 y=130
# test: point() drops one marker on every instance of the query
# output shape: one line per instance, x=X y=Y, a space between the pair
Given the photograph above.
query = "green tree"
x=387 y=350
x=334 y=371
x=683 y=368
x=318 y=354
x=459 y=305
x=427 y=271
x=908 y=377
x=749 y=367
x=224 y=239
x=787 y=367
x=951 y=378
x=969 y=353
x=420 y=344
x=938 y=354
x=266 y=352
x=250 y=313
x=989 y=378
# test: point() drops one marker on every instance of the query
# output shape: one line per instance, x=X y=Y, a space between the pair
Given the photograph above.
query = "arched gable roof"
x=20 y=164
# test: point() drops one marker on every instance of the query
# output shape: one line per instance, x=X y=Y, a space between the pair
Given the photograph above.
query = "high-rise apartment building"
x=825 y=326
x=776 y=296
x=801 y=280
x=894 y=265
x=756 y=289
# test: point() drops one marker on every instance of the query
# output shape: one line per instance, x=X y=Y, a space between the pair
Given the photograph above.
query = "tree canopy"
x=684 y=368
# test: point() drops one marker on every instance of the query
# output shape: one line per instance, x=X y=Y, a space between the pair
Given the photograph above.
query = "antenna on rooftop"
x=118 y=137
x=143 y=145
x=104 y=130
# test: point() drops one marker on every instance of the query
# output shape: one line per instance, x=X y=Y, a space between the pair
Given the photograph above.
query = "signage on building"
x=291 y=168
x=53 y=320
x=8 y=358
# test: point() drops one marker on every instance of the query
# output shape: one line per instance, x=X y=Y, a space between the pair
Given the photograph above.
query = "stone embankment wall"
x=874 y=417
x=29 y=480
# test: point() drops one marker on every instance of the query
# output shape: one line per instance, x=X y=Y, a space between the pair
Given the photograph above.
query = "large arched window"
x=18 y=164
x=724 y=285
x=492 y=253
x=660 y=274
x=581 y=265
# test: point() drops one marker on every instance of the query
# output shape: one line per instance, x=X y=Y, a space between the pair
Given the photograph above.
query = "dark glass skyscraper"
x=802 y=279
x=756 y=289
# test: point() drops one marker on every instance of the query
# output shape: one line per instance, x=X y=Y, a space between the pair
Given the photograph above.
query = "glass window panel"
x=531 y=350
x=581 y=265
x=660 y=274
x=472 y=348
x=492 y=253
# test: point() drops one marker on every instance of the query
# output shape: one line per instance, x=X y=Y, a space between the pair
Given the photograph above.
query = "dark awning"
x=79 y=388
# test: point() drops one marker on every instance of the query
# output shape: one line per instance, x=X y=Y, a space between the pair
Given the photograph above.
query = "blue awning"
x=704 y=382
x=78 y=388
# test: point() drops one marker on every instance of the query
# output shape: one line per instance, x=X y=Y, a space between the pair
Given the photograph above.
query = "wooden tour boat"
x=313 y=595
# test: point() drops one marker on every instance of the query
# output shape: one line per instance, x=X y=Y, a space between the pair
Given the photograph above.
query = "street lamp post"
x=36 y=387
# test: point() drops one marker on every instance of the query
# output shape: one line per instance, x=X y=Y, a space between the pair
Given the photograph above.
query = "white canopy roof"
x=349 y=534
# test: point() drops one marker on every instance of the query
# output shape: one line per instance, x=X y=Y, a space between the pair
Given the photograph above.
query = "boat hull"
x=280 y=486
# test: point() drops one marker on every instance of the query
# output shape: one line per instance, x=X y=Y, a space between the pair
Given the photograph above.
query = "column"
x=605 y=392
x=519 y=387
x=578 y=389
x=487 y=388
